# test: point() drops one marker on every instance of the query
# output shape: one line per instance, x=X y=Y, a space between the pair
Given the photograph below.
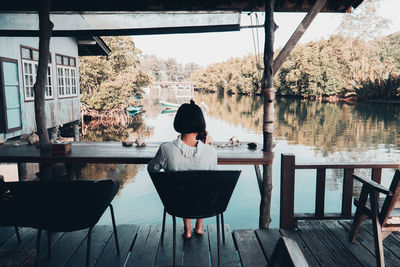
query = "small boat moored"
x=169 y=105
x=132 y=110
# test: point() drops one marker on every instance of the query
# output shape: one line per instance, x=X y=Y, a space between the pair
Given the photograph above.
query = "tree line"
x=167 y=70
x=339 y=66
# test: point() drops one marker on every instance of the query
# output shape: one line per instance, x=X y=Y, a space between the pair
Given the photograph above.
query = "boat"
x=132 y=110
x=168 y=111
x=169 y=105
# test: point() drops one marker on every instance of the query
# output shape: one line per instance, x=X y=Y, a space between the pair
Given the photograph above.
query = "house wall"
x=58 y=110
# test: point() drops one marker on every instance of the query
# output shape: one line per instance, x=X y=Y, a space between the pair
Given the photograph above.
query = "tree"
x=110 y=83
x=172 y=70
x=363 y=22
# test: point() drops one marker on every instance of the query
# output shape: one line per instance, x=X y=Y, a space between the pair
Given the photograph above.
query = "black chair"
x=58 y=206
x=195 y=195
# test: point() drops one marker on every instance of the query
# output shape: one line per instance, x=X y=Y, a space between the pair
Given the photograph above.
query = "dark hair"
x=189 y=119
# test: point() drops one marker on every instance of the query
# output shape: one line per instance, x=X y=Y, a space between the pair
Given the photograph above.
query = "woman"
x=189 y=152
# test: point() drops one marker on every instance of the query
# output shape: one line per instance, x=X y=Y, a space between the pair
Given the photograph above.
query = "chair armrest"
x=372 y=185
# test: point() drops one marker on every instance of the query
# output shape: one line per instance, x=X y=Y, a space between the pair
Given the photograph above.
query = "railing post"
x=287 y=220
x=376 y=175
x=347 y=192
x=320 y=193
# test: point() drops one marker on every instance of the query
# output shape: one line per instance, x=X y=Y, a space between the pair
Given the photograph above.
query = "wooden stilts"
x=268 y=91
x=76 y=130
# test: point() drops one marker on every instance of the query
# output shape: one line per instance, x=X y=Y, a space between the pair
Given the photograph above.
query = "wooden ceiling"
x=178 y=5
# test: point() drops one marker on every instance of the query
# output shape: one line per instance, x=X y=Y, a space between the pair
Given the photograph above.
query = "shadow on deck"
x=322 y=242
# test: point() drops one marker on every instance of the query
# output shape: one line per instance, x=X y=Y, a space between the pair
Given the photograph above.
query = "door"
x=11 y=117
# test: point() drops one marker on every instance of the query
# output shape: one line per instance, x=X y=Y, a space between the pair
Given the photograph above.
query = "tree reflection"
x=122 y=172
x=116 y=129
x=328 y=127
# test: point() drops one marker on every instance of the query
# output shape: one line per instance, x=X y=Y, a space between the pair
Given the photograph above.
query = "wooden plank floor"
x=324 y=243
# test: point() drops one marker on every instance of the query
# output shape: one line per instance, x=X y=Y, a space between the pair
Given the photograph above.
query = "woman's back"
x=177 y=156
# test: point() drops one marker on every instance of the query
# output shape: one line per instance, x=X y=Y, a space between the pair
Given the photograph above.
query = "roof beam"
x=120 y=23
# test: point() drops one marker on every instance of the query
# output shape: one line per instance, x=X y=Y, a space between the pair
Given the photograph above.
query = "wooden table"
x=114 y=152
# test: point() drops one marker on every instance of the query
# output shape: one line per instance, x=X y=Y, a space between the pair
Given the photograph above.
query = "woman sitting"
x=191 y=151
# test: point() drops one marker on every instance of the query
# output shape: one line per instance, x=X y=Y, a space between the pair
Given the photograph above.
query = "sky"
x=208 y=48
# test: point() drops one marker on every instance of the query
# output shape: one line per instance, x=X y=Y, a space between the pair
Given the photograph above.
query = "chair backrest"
x=58 y=206
x=195 y=194
x=391 y=201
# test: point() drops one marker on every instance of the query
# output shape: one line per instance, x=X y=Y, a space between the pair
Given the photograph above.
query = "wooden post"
x=320 y=194
x=298 y=33
x=268 y=91
x=45 y=29
x=347 y=192
x=287 y=192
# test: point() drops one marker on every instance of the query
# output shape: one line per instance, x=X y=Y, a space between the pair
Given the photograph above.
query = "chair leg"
x=17 y=233
x=218 y=242
x=174 y=240
x=114 y=229
x=223 y=228
x=163 y=228
x=359 y=216
x=89 y=238
x=49 y=243
x=39 y=234
x=377 y=229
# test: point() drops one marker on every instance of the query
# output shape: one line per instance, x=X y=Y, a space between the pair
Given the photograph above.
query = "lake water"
x=312 y=131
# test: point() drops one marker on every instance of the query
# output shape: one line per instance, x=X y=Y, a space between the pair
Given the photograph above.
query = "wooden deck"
x=323 y=244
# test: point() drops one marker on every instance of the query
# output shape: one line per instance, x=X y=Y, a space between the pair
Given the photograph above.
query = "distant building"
x=18 y=67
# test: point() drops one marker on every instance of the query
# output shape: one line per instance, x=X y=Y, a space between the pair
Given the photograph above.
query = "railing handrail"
x=347 y=165
x=288 y=219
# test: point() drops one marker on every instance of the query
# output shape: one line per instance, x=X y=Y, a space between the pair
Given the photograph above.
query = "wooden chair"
x=195 y=195
x=58 y=206
x=384 y=212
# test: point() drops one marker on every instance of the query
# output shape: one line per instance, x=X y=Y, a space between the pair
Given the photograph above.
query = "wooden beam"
x=130 y=31
x=298 y=33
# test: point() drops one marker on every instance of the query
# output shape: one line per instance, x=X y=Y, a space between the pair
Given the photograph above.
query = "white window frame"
x=29 y=94
x=49 y=92
x=66 y=78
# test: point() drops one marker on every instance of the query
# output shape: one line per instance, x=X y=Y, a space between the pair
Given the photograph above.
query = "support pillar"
x=268 y=91
x=53 y=133
x=45 y=30
x=22 y=171
x=76 y=130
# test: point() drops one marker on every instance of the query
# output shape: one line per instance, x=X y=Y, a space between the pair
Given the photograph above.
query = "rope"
x=256 y=45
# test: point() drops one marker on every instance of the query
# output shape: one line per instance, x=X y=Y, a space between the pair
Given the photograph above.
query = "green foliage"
x=339 y=66
x=234 y=76
x=110 y=83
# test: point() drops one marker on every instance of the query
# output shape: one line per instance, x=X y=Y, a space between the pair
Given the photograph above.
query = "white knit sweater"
x=177 y=156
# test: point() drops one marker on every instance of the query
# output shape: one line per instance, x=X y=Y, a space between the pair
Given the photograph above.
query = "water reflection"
x=313 y=131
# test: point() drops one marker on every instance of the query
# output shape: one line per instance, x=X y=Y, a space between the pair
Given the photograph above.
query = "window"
x=66 y=76
x=30 y=57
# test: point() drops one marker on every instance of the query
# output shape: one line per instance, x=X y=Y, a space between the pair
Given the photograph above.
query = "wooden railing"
x=288 y=219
